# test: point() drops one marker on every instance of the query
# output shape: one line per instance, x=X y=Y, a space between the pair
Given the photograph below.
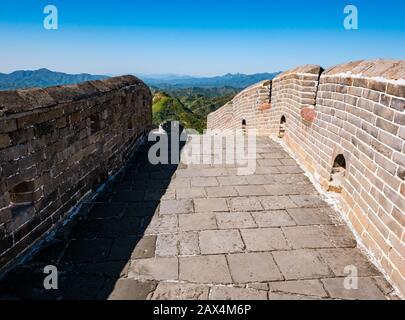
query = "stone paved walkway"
x=202 y=232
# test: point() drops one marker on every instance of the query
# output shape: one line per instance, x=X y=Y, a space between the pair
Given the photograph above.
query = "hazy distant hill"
x=229 y=80
x=42 y=78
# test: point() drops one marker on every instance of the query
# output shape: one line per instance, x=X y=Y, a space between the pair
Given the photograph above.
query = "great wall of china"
x=346 y=126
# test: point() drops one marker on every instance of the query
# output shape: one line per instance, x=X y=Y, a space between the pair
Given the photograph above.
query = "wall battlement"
x=346 y=125
x=58 y=144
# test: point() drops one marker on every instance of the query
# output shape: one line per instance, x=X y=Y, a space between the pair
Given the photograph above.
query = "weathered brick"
x=377 y=85
x=387 y=126
x=396 y=90
x=384 y=112
x=8 y=125
x=398 y=104
x=5 y=140
x=390 y=140
x=399 y=118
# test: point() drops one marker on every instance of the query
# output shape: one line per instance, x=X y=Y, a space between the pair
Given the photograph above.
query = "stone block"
x=245 y=204
x=264 y=239
x=180 y=291
x=197 y=221
x=277 y=202
x=253 y=267
x=340 y=236
x=303 y=287
x=210 y=205
x=232 y=180
x=128 y=289
x=204 y=269
x=307 y=237
x=5 y=140
x=233 y=293
x=184 y=243
x=310 y=216
x=162 y=224
x=154 y=269
x=220 y=241
x=307 y=201
x=235 y=220
x=367 y=289
x=301 y=264
x=204 y=182
x=221 y=192
x=190 y=193
x=254 y=190
x=339 y=259
x=276 y=218
x=176 y=206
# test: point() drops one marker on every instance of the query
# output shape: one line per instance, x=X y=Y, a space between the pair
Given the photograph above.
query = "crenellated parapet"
x=249 y=108
x=58 y=144
x=346 y=125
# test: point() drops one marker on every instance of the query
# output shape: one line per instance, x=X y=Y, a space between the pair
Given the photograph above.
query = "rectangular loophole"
x=25 y=193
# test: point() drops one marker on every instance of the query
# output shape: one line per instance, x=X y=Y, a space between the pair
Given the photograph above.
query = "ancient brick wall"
x=58 y=144
x=249 y=109
x=222 y=118
x=294 y=95
x=346 y=125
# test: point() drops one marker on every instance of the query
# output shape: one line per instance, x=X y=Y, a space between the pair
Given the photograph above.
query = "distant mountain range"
x=237 y=80
x=45 y=78
x=42 y=78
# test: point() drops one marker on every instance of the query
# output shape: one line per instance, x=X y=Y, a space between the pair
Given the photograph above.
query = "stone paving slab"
x=197 y=221
x=127 y=289
x=220 y=241
x=312 y=288
x=232 y=293
x=367 y=289
x=253 y=267
x=275 y=218
x=180 y=291
x=206 y=269
x=210 y=205
x=307 y=237
x=203 y=232
x=154 y=269
x=235 y=220
x=264 y=239
x=301 y=264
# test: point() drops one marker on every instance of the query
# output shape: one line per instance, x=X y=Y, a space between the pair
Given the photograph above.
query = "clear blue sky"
x=206 y=37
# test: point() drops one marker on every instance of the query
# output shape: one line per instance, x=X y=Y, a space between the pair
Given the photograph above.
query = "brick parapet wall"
x=58 y=144
x=222 y=118
x=251 y=105
x=356 y=110
x=294 y=91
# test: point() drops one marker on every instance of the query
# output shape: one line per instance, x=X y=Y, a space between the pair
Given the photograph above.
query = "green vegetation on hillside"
x=189 y=106
x=166 y=108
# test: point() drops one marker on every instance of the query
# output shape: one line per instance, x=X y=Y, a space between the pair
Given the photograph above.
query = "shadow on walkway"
x=95 y=247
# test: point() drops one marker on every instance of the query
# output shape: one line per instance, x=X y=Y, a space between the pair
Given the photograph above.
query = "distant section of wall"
x=222 y=118
x=250 y=107
x=346 y=125
x=56 y=145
